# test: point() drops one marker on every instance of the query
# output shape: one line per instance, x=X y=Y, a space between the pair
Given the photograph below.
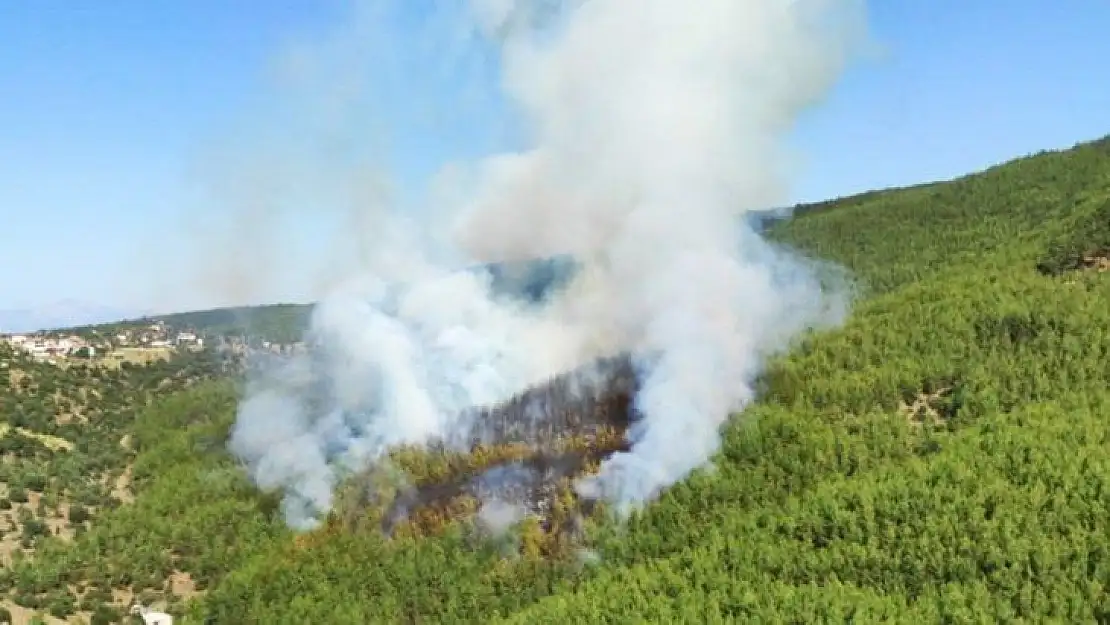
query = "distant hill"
x=279 y=323
x=62 y=314
x=287 y=323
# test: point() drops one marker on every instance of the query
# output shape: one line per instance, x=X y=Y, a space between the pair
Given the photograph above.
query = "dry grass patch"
x=121 y=485
x=53 y=442
x=26 y=616
x=137 y=355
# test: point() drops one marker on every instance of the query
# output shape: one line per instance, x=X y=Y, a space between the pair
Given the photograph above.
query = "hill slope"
x=67 y=451
x=939 y=457
x=280 y=323
x=835 y=500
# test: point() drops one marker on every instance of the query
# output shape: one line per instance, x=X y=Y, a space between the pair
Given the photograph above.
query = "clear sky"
x=108 y=110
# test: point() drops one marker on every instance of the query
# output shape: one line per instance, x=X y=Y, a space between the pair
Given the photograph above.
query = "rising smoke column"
x=657 y=124
x=654 y=126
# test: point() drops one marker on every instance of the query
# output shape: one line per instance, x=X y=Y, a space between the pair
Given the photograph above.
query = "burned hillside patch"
x=523 y=455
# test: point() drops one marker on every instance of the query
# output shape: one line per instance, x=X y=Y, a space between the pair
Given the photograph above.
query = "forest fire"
x=523 y=454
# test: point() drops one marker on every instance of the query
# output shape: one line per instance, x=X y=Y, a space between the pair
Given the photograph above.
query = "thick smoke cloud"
x=652 y=128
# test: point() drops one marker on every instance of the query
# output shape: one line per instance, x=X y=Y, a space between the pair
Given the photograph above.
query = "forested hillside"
x=69 y=443
x=941 y=457
x=279 y=323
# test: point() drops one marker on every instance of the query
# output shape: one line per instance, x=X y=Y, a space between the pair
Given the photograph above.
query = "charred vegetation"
x=524 y=453
x=586 y=402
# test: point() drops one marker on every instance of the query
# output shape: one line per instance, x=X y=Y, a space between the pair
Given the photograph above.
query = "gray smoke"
x=653 y=127
x=499 y=516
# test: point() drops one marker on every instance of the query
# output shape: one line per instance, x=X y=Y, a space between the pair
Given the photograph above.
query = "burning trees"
x=518 y=458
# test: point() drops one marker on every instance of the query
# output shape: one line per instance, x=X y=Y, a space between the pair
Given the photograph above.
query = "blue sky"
x=108 y=109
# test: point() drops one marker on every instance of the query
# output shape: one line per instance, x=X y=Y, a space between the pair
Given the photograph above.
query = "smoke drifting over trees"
x=652 y=128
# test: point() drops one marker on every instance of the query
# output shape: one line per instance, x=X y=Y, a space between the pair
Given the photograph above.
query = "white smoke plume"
x=652 y=128
x=498 y=516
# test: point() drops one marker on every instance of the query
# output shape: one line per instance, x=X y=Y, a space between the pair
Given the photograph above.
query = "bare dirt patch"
x=926 y=407
x=183 y=586
x=25 y=616
x=1096 y=262
x=9 y=545
x=1090 y=263
x=121 y=487
x=16 y=376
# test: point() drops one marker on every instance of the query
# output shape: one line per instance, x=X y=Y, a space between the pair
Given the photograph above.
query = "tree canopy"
x=940 y=457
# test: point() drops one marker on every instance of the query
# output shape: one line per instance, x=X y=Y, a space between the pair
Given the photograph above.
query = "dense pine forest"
x=940 y=457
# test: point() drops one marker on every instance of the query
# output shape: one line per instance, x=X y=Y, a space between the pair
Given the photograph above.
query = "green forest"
x=939 y=457
x=279 y=323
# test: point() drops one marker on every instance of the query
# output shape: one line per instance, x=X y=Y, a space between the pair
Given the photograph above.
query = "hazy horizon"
x=123 y=118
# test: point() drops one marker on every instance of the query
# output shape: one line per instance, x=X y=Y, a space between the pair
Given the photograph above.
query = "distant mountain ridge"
x=64 y=313
x=532 y=280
